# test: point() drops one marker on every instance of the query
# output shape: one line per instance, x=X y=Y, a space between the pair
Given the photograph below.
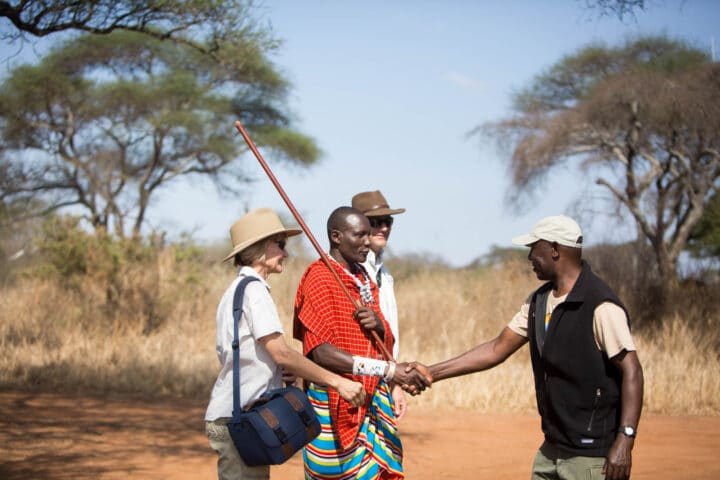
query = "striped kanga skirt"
x=377 y=452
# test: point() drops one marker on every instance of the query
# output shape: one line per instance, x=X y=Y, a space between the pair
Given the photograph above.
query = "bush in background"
x=631 y=270
x=117 y=281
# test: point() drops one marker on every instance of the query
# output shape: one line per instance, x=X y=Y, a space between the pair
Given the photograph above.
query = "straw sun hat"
x=255 y=226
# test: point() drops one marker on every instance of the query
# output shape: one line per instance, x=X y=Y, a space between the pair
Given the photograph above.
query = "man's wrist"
x=627 y=430
x=390 y=371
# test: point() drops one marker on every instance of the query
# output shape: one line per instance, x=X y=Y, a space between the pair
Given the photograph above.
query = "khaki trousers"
x=230 y=466
x=553 y=464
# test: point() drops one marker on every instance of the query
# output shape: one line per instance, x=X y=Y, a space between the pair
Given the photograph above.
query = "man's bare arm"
x=483 y=357
x=619 y=460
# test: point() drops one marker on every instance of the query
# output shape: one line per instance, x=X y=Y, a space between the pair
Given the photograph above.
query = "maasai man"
x=355 y=442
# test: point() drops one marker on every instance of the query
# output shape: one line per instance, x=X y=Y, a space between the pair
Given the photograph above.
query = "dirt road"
x=49 y=436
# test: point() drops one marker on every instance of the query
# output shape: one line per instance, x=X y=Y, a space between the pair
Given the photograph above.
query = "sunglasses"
x=281 y=243
x=377 y=222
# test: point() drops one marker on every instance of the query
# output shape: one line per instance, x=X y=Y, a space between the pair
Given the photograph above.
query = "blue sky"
x=389 y=90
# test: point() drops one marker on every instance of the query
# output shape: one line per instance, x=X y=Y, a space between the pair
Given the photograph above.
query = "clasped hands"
x=413 y=377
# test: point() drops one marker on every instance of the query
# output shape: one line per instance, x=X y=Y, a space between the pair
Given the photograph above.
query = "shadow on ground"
x=59 y=436
x=82 y=438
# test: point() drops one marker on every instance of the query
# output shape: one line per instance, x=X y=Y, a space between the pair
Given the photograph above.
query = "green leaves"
x=112 y=118
x=705 y=236
x=576 y=76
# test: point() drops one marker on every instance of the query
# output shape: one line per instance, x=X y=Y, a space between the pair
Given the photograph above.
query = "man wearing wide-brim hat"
x=376 y=208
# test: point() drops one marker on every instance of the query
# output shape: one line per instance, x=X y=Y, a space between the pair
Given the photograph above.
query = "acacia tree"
x=105 y=121
x=214 y=27
x=643 y=119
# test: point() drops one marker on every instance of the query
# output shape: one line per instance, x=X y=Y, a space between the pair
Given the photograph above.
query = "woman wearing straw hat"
x=258 y=250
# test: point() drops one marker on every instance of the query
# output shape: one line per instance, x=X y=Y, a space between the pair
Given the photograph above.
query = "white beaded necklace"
x=365 y=290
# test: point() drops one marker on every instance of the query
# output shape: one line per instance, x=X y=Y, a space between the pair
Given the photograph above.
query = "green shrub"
x=118 y=281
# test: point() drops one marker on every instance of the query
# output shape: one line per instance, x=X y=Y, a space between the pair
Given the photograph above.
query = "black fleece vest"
x=576 y=385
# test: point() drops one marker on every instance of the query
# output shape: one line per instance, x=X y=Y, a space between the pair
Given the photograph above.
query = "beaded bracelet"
x=369 y=367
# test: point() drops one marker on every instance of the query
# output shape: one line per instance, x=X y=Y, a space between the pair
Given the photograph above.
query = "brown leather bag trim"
x=294 y=401
x=269 y=417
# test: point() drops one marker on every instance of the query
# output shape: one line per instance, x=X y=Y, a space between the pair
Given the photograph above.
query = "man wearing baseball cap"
x=588 y=379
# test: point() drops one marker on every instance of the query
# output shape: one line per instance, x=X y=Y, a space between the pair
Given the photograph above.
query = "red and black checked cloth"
x=324 y=314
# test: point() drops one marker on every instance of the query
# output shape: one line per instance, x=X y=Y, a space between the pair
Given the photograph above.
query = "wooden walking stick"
x=301 y=222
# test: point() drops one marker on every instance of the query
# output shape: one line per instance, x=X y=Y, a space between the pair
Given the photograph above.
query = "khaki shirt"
x=610 y=325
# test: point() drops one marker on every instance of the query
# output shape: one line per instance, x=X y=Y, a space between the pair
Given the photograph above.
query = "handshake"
x=413 y=377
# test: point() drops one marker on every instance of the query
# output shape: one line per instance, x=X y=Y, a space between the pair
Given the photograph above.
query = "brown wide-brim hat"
x=373 y=204
x=255 y=226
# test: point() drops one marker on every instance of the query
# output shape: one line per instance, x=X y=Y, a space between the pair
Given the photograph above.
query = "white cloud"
x=463 y=81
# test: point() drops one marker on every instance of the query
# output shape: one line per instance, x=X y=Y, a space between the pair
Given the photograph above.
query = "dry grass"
x=55 y=338
x=445 y=314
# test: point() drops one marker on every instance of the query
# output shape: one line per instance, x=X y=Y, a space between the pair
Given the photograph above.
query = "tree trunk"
x=667 y=278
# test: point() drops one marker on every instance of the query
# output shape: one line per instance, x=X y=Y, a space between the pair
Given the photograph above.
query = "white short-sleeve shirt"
x=258 y=371
x=610 y=325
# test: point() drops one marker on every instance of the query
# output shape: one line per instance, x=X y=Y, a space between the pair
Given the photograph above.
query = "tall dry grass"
x=54 y=337
x=445 y=313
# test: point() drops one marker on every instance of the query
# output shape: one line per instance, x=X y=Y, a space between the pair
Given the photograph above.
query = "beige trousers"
x=552 y=464
x=230 y=466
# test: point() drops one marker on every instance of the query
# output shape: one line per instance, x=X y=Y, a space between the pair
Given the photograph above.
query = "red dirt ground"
x=49 y=436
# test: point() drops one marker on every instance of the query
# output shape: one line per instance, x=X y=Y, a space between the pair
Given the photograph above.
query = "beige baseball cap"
x=557 y=228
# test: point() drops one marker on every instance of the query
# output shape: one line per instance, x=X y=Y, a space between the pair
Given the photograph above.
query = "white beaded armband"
x=390 y=372
x=369 y=367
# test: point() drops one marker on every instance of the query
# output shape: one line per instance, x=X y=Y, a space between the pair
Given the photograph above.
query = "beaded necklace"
x=365 y=290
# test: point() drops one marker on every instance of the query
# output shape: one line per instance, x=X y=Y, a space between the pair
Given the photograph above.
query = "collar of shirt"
x=373 y=263
x=246 y=271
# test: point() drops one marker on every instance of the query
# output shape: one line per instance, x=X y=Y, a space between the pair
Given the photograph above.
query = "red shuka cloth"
x=324 y=314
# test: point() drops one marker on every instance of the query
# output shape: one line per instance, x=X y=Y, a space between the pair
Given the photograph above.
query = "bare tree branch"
x=641 y=112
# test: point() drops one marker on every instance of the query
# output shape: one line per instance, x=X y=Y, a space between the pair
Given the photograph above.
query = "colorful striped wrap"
x=324 y=314
x=376 y=453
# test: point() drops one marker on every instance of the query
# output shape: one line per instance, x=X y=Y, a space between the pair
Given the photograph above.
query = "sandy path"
x=48 y=436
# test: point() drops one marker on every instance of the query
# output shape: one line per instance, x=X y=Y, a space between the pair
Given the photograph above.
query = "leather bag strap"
x=237 y=313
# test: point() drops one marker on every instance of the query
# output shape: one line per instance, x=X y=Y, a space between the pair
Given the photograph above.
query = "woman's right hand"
x=352 y=392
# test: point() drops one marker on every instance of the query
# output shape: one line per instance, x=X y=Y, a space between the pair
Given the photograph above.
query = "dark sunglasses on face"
x=281 y=243
x=377 y=222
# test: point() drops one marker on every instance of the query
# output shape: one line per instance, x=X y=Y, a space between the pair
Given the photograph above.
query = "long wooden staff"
x=301 y=222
